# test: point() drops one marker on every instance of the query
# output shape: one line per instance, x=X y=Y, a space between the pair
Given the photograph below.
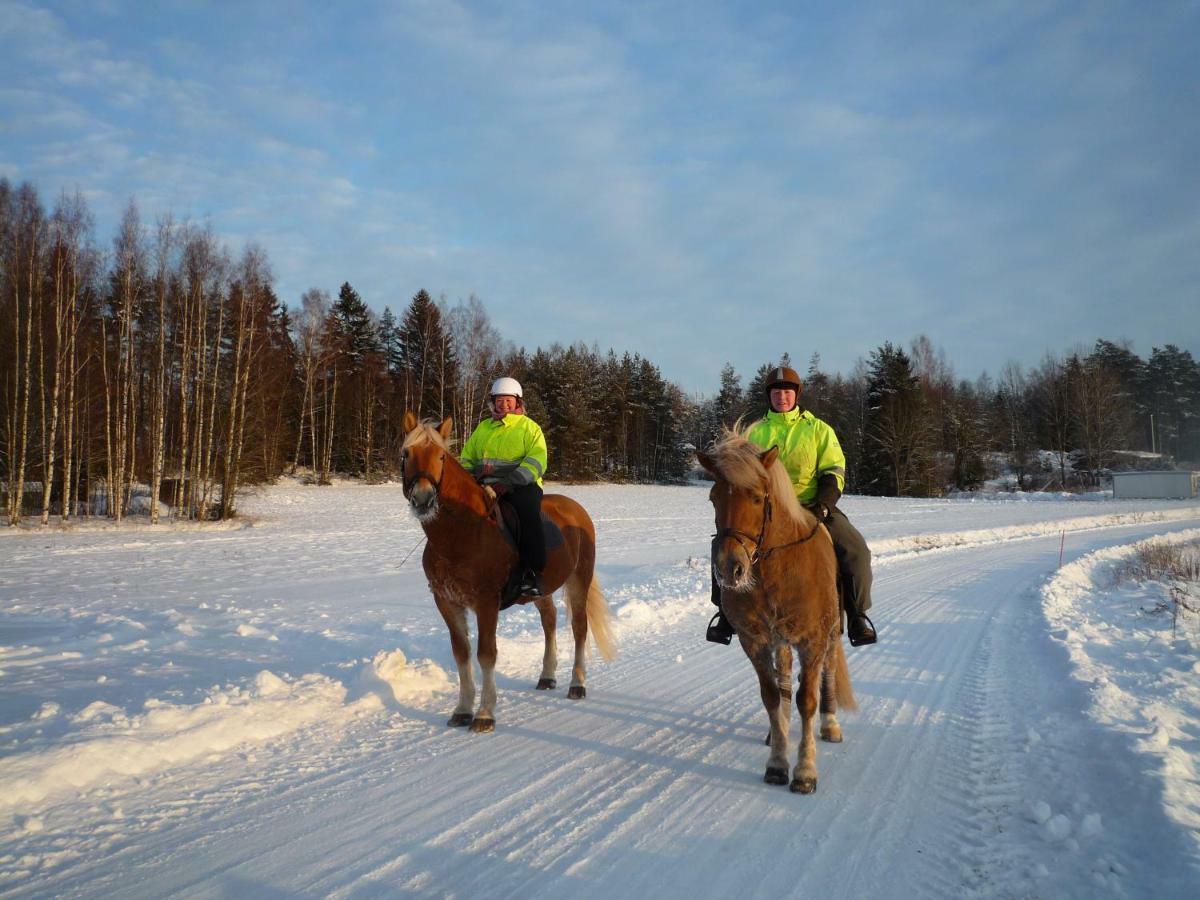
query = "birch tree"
x=68 y=226
x=23 y=257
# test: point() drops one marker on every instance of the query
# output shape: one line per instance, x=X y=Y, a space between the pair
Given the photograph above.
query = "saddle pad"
x=550 y=530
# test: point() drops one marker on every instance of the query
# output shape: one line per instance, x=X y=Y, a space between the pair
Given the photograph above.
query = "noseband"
x=410 y=483
x=757 y=553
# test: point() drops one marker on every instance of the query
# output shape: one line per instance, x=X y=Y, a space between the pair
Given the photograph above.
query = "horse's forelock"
x=425 y=433
x=738 y=462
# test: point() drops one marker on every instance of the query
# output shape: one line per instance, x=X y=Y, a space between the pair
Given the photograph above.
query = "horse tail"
x=599 y=621
x=844 y=691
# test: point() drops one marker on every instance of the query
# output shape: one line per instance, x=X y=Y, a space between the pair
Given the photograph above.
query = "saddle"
x=504 y=515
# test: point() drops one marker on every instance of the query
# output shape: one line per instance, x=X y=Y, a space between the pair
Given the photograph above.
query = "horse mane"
x=425 y=433
x=738 y=462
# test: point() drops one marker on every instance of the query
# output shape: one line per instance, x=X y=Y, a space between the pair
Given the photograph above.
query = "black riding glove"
x=828 y=495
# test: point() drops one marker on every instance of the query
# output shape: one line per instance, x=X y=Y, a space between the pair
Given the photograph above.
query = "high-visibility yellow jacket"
x=512 y=451
x=808 y=449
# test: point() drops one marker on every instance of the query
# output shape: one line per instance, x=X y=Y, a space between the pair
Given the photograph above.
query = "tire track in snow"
x=672 y=714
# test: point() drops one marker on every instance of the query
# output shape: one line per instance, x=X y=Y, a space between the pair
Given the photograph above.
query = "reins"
x=758 y=554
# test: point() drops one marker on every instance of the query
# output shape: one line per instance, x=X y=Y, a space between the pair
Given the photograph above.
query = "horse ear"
x=410 y=421
x=767 y=457
x=446 y=427
x=706 y=461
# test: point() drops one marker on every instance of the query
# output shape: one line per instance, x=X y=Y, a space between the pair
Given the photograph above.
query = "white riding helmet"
x=509 y=386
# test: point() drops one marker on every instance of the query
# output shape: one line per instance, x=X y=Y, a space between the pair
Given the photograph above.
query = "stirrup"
x=719 y=630
x=860 y=638
x=531 y=584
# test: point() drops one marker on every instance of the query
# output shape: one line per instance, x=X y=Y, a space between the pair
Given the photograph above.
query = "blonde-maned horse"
x=778 y=576
x=467 y=560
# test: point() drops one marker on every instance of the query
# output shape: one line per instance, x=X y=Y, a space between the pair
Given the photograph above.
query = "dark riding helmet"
x=783 y=376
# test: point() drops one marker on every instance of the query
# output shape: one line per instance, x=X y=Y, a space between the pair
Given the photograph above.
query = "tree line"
x=164 y=368
x=910 y=428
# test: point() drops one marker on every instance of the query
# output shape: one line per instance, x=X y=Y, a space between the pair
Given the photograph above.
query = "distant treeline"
x=910 y=428
x=166 y=361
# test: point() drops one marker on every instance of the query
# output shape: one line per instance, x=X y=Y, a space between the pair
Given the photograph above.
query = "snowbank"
x=1142 y=672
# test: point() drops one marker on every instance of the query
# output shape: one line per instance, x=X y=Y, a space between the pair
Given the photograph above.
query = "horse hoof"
x=776 y=776
x=483 y=726
x=831 y=735
x=459 y=720
x=546 y=684
x=576 y=692
x=803 y=785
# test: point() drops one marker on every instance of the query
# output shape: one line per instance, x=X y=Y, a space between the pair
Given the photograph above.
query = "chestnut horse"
x=778 y=576
x=467 y=561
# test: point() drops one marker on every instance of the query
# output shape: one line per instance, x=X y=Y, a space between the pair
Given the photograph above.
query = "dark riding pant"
x=531 y=543
x=853 y=559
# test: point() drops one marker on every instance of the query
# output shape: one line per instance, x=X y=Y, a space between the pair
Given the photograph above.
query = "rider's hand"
x=499 y=488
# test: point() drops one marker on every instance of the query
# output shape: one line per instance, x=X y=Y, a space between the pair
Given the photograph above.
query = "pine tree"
x=353 y=324
x=816 y=388
x=390 y=338
x=427 y=358
x=897 y=452
x=1172 y=387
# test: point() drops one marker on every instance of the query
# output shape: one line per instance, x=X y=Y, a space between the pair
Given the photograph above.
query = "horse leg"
x=831 y=731
x=804 y=777
x=576 y=594
x=768 y=687
x=548 y=612
x=783 y=678
x=485 y=618
x=460 y=644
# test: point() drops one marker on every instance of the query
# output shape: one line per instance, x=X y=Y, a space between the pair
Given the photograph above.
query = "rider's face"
x=783 y=399
x=504 y=404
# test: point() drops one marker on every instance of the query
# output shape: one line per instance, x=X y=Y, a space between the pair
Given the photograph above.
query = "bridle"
x=410 y=483
x=756 y=552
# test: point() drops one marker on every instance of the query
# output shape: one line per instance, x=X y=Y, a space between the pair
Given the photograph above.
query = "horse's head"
x=749 y=487
x=423 y=463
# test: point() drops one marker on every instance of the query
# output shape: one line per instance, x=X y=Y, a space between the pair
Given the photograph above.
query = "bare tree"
x=1101 y=425
x=253 y=278
x=479 y=349
x=128 y=283
x=24 y=262
x=165 y=241
x=1052 y=394
x=202 y=272
x=314 y=309
x=1013 y=390
x=68 y=226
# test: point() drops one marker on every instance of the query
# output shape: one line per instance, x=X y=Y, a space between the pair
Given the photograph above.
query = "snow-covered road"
x=143 y=752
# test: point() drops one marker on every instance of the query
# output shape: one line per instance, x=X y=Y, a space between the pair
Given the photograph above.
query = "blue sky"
x=698 y=182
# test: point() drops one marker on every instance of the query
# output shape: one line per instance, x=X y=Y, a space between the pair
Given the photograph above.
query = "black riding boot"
x=531 y=583
x=719 y=629
x=859 y=628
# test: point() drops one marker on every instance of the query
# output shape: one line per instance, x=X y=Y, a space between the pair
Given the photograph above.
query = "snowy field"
x=259 y=711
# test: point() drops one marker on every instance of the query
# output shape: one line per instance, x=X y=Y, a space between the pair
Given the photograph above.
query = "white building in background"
x=1155 y=485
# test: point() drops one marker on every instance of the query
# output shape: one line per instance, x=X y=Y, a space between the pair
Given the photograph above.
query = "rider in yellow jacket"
x=507 y=452
x=813 y=458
